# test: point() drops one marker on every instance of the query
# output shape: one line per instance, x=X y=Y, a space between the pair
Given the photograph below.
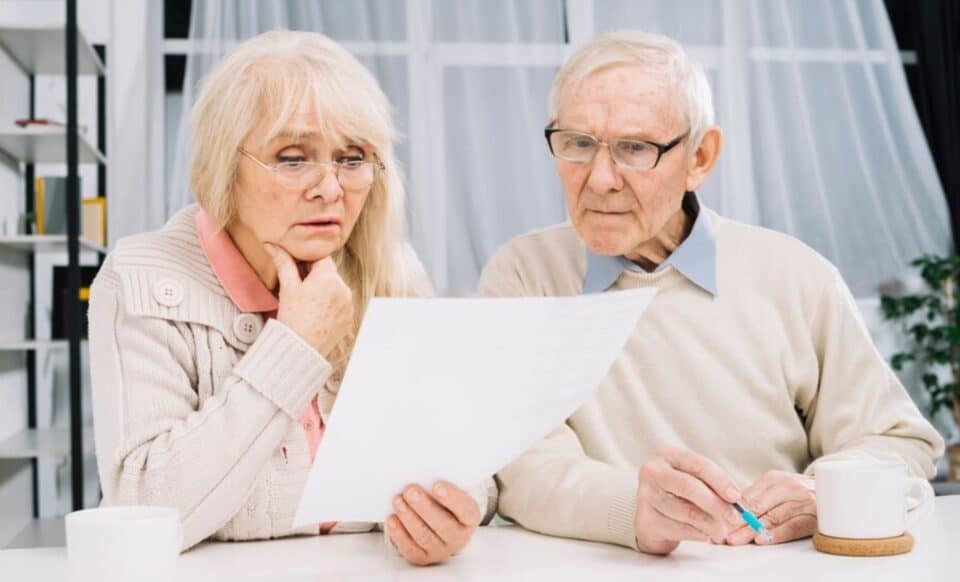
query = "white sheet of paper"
x=455 y=389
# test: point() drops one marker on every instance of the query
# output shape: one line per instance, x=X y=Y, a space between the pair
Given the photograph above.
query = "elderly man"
x=751 y=365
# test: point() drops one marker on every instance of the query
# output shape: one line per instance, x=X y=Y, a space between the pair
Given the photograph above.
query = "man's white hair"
x=653 y=53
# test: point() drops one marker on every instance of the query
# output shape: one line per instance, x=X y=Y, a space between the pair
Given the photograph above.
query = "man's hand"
x=786 y=505
x=683 y=496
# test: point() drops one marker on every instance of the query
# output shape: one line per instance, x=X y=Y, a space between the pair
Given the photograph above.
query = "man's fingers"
x=797 y=527
x=705 y=470
x=675 y=531
x=784 y=512
x=781 y=515
x=686 y=486
x=741 y=536
x=681 y=510
x=750 y=494
x=779 y=490
x=287 y=272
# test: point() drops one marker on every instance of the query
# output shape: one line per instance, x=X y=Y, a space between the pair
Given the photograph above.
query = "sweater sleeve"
x=861 y=409
x=554 y=487
x=155 y=445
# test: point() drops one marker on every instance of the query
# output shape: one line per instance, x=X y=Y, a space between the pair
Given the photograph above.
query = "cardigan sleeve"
x=155 y=444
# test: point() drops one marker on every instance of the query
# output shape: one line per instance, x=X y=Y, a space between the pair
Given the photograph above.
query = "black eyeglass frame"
x=662 y=148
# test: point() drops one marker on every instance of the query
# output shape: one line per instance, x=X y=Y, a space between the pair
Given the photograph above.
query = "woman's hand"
x=319 y=306
x=426 y=528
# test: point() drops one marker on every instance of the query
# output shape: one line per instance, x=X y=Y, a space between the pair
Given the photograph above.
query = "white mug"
x=123 y=543
x=861 y=499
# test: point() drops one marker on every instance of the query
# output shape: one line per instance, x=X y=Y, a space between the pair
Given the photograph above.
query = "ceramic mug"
x=861 y=499
x=123 y=543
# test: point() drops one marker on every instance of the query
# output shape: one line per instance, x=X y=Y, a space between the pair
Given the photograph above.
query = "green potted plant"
x=931 y=322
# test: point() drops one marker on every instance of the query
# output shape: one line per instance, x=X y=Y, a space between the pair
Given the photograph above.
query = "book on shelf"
x=93 y=220
x=50 y=202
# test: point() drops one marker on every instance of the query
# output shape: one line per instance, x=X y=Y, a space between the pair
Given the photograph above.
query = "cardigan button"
x=168 y=292
x=247 y=327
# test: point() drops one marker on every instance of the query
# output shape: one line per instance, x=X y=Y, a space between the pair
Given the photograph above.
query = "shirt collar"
x=695 y=258
x=235 y=274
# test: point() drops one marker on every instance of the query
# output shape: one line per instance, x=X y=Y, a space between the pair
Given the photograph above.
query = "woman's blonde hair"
x=654 y=53
x=277 y=75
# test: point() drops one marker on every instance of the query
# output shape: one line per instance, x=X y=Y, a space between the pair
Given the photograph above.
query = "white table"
x=510 y=553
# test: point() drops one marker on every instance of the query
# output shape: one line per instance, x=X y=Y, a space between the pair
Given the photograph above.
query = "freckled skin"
x=620 y=211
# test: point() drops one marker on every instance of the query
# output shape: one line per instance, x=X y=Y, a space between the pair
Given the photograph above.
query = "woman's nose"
x=327 y=189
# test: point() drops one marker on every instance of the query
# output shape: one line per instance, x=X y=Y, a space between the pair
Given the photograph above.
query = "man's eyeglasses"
x=581 y=148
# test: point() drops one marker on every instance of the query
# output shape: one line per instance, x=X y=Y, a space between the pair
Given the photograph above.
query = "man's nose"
x=604 y=176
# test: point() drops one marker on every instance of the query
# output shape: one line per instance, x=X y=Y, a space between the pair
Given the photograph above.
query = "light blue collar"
x=695 y=258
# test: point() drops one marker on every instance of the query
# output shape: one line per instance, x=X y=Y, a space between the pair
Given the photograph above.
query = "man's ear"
x=705 y=158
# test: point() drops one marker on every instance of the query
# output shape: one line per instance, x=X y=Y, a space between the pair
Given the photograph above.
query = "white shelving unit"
x=29 y=345
x=45 y=144
x=43 y=442
x=58 y=456
x=41 y=48
x=45 y=243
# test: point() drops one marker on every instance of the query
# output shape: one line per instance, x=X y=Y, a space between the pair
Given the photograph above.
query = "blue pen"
x=753 y=522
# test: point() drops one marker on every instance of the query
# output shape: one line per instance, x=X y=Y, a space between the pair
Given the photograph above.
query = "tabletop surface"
x=511 y=553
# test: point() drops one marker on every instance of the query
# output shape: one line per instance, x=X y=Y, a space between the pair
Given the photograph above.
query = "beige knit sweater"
x=773 y=372
x=195 y=406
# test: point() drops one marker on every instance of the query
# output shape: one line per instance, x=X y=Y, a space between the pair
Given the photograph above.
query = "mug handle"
x=919 y=512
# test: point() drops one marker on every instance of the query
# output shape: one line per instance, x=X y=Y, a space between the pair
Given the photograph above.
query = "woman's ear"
x=705 y=158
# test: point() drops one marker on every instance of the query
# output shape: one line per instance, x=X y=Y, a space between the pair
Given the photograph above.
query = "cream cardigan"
x=195 y=403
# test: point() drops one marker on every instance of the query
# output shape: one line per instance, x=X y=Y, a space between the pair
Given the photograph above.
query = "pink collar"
x=235 y=274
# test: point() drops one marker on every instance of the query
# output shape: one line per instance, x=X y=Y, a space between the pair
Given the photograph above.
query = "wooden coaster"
x=849 y=547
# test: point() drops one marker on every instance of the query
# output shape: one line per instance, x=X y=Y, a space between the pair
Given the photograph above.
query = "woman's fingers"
x=404 y=543
x=287 y=272
x=419 y=531
x=458 y=502
x=440 y=520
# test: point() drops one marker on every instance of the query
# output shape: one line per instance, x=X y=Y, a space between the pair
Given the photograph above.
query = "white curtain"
x=822 y=139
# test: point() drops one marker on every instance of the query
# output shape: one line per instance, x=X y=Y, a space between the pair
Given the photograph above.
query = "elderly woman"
x=218 y=341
